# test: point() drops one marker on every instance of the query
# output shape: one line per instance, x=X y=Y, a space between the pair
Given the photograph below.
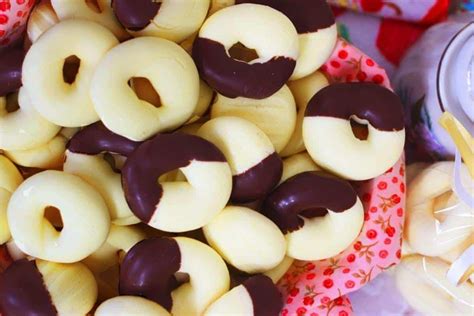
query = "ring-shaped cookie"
x=146 y=92
x=280 y=270
x=423 y=283
x=83 y=212
x=41 y=19
x=47 y=288
x=181 y=274
x=47 y=156
x=275 y=115
x=183 y=205
x=256 y=167
x=270 y=33
x=260 y=247
x=316 y=27
x=43 y=71
x=127 y=305
x=303 y=90
x=10 y=179
x=85 y=158
x=101 y=12
x=255 y=296
x=317 y=209
x=25 y=128
x=297 y=163
x=104 y=262
x=329 y=139
x=169 y=19
x=168 y=68
x=429 y=193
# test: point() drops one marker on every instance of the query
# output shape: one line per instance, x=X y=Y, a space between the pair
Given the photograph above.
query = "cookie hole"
x=112 y=162
x=145 y=90
x=93 y=5
x=360 y=131
x=240 y=52
x=442 y=205
x=71 y=68
x=172 y=176
x=181 y=278
x=53 y=215
x=120 y=255
x=11 y=104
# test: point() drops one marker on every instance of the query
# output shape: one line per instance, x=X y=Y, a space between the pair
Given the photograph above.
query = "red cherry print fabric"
x=13 y=17
x=309 y=286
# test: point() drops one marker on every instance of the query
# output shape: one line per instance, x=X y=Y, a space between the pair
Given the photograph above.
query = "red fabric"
x=395 y=37
x=437 y=13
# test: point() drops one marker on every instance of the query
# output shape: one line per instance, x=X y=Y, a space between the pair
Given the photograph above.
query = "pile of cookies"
x=175 y=157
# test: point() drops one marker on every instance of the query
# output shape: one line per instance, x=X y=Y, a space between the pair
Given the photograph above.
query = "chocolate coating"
x=376 y=104
x=22 y=291
x=266 y=299
x=258 y=181
x=149 y=268
x=5 y=258
x=135 y=15
x=11 y=62
x=233 y=78
x=155 y=157
x=96 y=138
x=307 y=15
x=311 y=191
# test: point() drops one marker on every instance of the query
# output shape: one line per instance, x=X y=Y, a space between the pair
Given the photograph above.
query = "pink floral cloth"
x=318 y=288
x=13 y=17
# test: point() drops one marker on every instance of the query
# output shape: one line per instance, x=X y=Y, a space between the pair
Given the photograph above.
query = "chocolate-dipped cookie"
x=181 y=274
x=255 y=296
x=315 y=208
x=316 y=27
x=328 y=135
x=256 y=167
x=46 y=288
x=85 y=158
x=169 y=19
x=177 y=206
x=275 y=41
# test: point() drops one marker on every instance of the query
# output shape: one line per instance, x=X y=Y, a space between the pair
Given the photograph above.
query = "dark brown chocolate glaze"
x=155 y=157
x=135 y=15
x=376 y=104
x=11 y=62
x=258 y=181
x=233 y=78
x=5 y=259
x=22 y=291
x=266 y=299
x=149 y=268
x=307 y=15
x=96 y=138
x=237 y=277
x=311 y=191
